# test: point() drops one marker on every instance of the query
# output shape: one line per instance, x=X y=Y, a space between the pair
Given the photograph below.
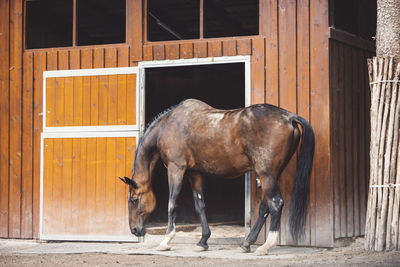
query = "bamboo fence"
x=382 y=222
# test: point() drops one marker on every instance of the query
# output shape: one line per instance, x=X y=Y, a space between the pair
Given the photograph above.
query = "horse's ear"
x=129 y=181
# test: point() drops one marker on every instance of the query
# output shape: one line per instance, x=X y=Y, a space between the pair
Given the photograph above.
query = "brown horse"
x=193 y=139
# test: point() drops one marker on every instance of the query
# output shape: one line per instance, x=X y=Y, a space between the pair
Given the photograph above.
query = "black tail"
x=301 y=189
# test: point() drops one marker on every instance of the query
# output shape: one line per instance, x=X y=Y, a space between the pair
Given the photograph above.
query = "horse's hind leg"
x=175 y=177
x=196 y=182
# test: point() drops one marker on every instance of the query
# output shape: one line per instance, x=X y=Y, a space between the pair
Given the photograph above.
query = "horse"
x=193 y=139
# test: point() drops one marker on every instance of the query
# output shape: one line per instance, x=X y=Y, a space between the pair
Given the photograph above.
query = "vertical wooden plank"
x=4 y=114
x=303 y=91
x=91 y=179
x=69 y=101
x=355 y=141
x=186 y=50
x=131 y=99
x=77 y=113
x=110 y=57
x=39 y=67
x=214 y=48
x=257 y=69
x=200 y=49
x=111 y=62
x=100 y=187
x=123 y=57
x=271 y=53
x=243 y=47
x=48 y=167
x=103 y=99
x=111 y=179
x=364 y=88
x=27 y=143
x=172 y=51
x=66 y=185
x=52 y=60
x=94 y=100
x=159 y=52
x=287 y=96
x=348 y=101
x=334 y=69
x=57 y=187
x=98 y=58
x=135 y=29
x=75 y=59
x=86 y=56
x=122 y=100
x=63 y=60
x=59 y=93
x=15 y=130
x=120 y=187
x=229 y=48
x=341 y=151
x=84 y=183
x=320 y=119
x=147 y=52
x=76 y=181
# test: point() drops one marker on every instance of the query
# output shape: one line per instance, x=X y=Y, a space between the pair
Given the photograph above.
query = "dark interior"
x=100 y=22
x=222 y=86
x=357 y=17
x=180 y=19
x=49 y=23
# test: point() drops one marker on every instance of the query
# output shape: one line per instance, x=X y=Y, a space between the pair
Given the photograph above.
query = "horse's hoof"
x=260 y=252
x=198 y=248
x=243 y=249
x=163 y=248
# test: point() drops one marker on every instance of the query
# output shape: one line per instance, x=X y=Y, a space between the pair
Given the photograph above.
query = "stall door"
x=90 y=133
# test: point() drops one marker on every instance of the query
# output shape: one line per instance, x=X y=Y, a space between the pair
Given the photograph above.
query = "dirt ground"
x=222 y=252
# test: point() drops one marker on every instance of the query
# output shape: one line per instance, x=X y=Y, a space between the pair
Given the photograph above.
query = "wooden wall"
x=289 y=68
x=350 y=123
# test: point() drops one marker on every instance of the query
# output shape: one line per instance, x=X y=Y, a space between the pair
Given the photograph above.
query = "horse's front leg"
x=175 y=177
x=196 y=182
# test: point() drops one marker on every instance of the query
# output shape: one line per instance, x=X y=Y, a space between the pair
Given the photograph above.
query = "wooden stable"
x=298 y=60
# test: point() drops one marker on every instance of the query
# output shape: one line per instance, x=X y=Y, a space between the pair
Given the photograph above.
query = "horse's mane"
x=148 y=128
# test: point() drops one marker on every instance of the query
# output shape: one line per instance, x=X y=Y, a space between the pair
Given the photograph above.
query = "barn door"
x=91 y=124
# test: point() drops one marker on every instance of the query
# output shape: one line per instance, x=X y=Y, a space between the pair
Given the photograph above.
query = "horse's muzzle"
x=138 y=231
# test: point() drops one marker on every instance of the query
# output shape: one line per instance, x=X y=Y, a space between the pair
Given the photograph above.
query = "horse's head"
x=141 y=202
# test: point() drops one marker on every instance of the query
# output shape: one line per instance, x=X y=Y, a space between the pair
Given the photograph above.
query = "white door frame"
x=143 y=65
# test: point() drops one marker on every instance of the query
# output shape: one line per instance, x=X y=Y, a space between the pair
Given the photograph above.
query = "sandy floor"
x=222 y=252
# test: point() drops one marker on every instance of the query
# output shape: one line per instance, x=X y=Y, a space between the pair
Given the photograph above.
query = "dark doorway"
x=221 y=86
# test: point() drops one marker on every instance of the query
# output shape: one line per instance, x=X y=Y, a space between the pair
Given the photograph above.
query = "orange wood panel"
x=39 y=66
x=15 y=128
x=27 y=143
x=103 y=99
x=257 y=72
x=59 y=96
x=303 y=91
x=95 y=202
x=113 y=100
x=52 y=60
x=78 y=100
x=214 y=48
x=122 y=100
x=200 y=49
x=75 y=59
x=147 y=52
x=87 y=58
x=159 y=51
x=229 y=48
x=69 y=101
x=98 y=58
x=94 y=100
x=243 y=47
x=131 y=99
x=320 y=119
x=123 y=56
x=135 y=29
x=50 y=101
x=287 y=97
x=172 y=51
x=63 y=60
x=110 y=57
x=48 y=169
x=271 y=53
x=186 y=50
x=4 y=114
